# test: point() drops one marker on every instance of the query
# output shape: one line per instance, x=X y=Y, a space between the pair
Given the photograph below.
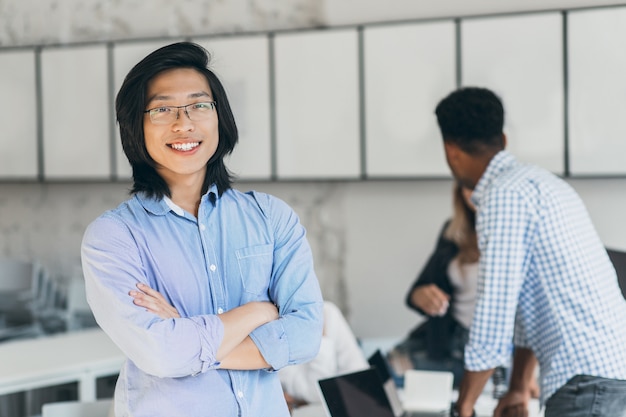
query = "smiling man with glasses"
x=237 y=295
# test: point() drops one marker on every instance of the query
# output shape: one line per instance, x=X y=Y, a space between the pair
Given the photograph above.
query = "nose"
x=183 y=122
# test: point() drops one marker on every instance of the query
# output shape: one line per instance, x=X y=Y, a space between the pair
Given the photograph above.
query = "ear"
x=503 y=141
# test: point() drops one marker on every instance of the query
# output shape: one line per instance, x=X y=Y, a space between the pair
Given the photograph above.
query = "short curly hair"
x=472 y=118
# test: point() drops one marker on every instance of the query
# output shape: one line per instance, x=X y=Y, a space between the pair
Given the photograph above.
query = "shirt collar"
x=162 y=206
x=176 y=209
x=502 y=161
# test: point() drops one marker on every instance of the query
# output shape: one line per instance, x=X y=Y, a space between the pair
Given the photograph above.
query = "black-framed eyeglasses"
x=196 y=112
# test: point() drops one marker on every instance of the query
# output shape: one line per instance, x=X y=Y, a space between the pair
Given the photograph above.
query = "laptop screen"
x=356 y=394
x=380 y=363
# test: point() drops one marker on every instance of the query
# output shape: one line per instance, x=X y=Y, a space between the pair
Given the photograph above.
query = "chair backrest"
x=15 y=275
x=19 y=282
x=619 y=263
x=99 y=408
x=76 y=297
x=78 y=312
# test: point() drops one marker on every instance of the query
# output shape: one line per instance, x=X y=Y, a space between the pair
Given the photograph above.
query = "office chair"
x=78 y=314
x=21 y=286
x=619 y=263
x=98 y=408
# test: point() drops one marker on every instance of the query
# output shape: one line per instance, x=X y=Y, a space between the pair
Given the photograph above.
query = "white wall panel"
x=408 y=69
x=597 y=99
x=75 y=112
x=18 y=115
x=317 y=104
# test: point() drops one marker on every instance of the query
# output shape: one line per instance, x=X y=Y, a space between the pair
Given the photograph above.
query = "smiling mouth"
x=184 y=146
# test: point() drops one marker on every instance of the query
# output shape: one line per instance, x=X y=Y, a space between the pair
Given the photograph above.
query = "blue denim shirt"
x=242 y=247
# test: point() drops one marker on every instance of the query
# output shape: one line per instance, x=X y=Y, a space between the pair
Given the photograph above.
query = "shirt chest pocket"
x=255 y=268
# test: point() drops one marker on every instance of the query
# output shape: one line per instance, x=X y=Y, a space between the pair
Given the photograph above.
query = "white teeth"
x=184 y=146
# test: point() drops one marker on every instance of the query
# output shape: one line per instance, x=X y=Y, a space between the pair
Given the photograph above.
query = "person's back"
x=545 y=280
x=568 y=281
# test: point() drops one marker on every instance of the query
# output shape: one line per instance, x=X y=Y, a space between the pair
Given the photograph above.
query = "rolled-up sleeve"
x=504 y=225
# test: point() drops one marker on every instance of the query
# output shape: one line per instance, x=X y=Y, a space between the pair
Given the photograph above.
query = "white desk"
x=80 y=356
x=310 y=410
x=484 y=408
x=485 y=405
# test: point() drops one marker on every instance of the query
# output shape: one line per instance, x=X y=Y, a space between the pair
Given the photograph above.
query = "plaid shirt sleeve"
x=506 y=225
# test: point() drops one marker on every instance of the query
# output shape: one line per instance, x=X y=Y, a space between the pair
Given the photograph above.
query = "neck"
x=189 y=202
x=478 y=167
x=187 y=194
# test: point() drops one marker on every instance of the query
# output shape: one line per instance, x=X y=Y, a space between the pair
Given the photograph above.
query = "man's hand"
x=472 y=386
x=521 y=385
x=268 y=308
x=431 y=299
x=513 y=404
x=154 y=302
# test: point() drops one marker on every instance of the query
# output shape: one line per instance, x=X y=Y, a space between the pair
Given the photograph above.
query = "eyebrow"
x=165 y=98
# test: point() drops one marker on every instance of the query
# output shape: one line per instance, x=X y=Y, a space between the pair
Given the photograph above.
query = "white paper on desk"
x=427 y=391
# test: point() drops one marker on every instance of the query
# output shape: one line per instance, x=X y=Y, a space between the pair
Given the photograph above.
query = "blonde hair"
x=462 y=228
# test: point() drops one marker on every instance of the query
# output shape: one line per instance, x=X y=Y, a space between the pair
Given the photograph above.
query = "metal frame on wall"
x=545 y=72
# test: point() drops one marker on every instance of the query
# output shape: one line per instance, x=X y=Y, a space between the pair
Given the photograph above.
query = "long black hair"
x=130 y=105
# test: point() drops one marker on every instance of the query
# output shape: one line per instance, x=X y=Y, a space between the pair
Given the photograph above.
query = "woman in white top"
x=444 y=294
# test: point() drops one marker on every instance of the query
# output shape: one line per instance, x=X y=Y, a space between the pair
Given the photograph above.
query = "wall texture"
x=28 y=22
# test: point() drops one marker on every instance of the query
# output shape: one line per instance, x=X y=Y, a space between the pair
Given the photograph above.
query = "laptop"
x=362 y=394
x=423 y=391
x=379 y=362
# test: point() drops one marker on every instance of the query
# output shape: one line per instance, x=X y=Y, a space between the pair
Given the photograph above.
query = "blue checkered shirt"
x=545 y=280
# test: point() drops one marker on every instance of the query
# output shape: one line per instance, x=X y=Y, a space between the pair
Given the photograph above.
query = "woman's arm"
x=430 y=292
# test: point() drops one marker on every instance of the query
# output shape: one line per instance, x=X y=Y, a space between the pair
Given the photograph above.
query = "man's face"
x=181 y=147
